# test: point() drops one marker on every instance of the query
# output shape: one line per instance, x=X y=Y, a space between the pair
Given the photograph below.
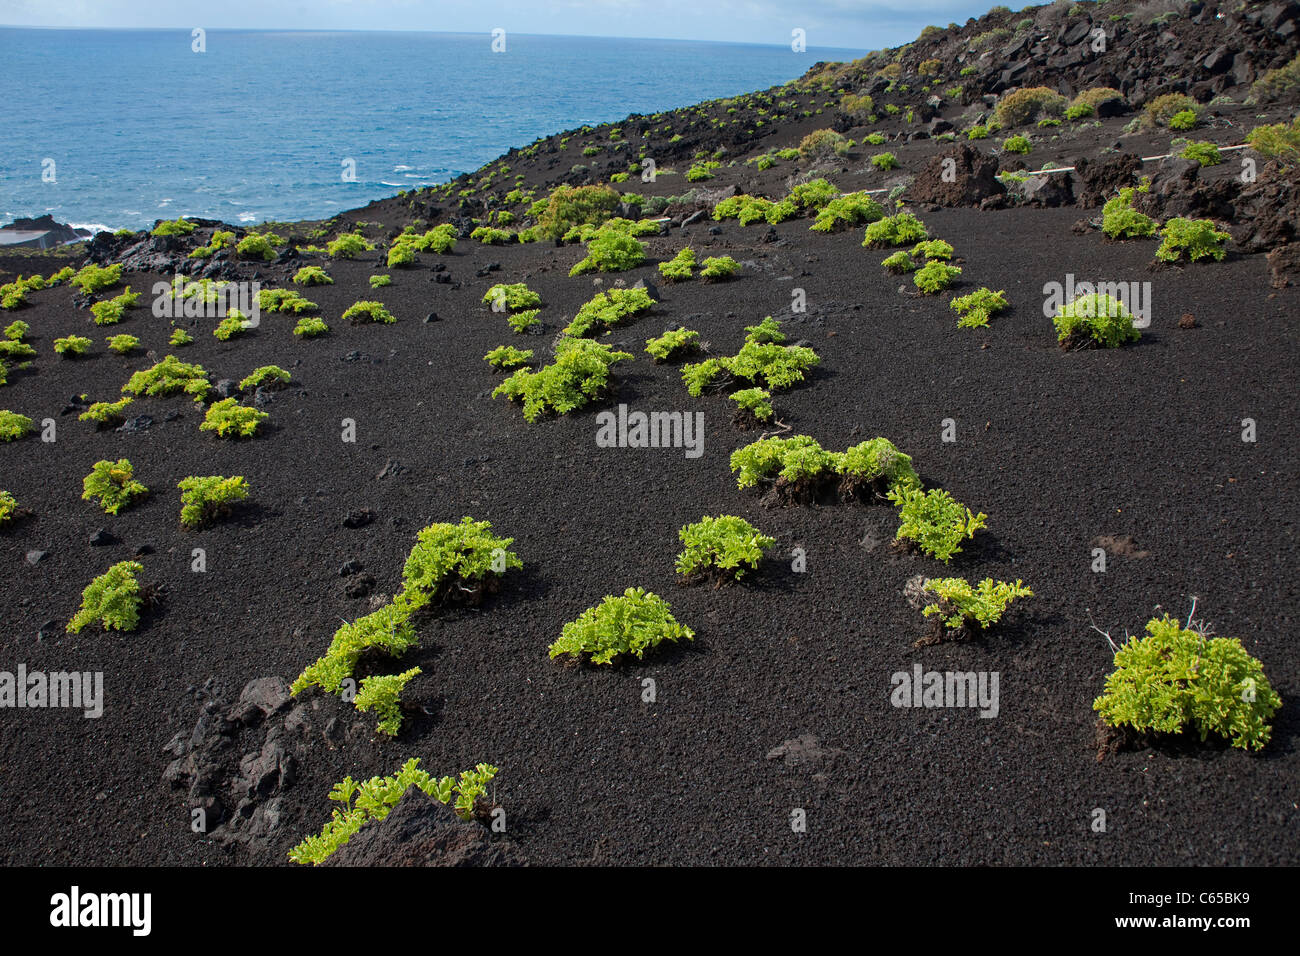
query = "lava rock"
x=420 y=831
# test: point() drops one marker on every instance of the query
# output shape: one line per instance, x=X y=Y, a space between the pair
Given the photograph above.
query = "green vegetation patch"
x=113 y=599
x=632 y=624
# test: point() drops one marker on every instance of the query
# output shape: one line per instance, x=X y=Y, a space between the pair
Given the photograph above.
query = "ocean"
x=112 y=129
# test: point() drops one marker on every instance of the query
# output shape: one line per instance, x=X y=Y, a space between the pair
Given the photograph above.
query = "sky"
x=860 y=24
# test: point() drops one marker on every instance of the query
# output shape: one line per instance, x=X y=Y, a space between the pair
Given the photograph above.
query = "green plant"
x=608 y=309
x=221 y=239
x=898 y=230
x=91 y=279
x=875 y=139
x=898 y=263
x=858 y=106
x=368 y=311
x=672 y=343
x=610 y=250
x=123 y=344
x=111 y=311
x=525 y=321
x=106 y=414
x=382 y=694
x=173 y=227
x=699 y=172
x=1094 y=318
x=934 y=521
x=721 y=547
x=349 y=245
x=569 y=206
x=719 y=267
x=935 y=276
x=1183 y=120
x=1280 y=141
x=755 y=402
x=1090 y=101
x=235 y=323
x=680 y=266
x=512 y=297
x=13 y=426
x=1019 y=107
x=1161 y=110
x=632 y=624
x=492 y=236
x=270 y=375
x=312 y=275
x=1119 y=220
x=851 y=209
x=822 y=141
x=16 y=331
x=284 y=301
x=387 y=629
x=210 y=497
x=977 y=132
x=875 y=467
x=508 y=357
x=9 y=509
x=376 y=797
x=1174 y=679
x=579 y=374
x=798 y=461
x=1197 y=238
x=112 y=599
x=309 y=327
x=1278 y=83
x=885 y=161
x=11 y=351
x=975 y=310
x=258 y=245
x=958 y=605
x=933 y=249
x=378 y=282
x=180 y=337
x=1017 y=144
x=228 y=417
x=113 y=483
x=1207 y=154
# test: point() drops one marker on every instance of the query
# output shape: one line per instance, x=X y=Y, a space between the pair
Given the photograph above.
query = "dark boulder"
x=961 y=176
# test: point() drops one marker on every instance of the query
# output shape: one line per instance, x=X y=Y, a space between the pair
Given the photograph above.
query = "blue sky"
x=862 y=24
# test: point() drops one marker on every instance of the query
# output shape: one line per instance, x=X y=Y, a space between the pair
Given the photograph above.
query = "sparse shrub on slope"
x=874 y=468
x=1162 y=110
x=632 y=624
x=169 y=377
x=227 y=417
x=717 y=268
x=609 y=309
x=1280 y=141
x=208 y=498
x=679 y=267
x=1194 y=238
x=382 y=693
x=934 y=521
x=363 y=312
x=569 y=206
x=610 y=250
x=975 y=310
x=1119 y=220
x=1173 y=680
x=578 y=375
x=851 y=209
x=349 y=245
x=673 y=343
x=897 y=230
x=113 y=484
x=112 y=599
x=1094 y=319
x=14 y=426
x=1022 y=106
x=721 y=548
x=959 y=607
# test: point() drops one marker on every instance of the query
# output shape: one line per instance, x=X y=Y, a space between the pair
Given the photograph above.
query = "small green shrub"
x=721 y=547
x=16 y=331
x=875 y=467
x=368 y=311
x=898 y=263
x=14 y=426
x=933 y=249
x=379 y=282
x=1161 y=111
x=935 y=276
x=258 y=245
x=91 y=279
x=72 y=346
x=312 y=275
x=179 y=338
x=1183 y=120
x=228 y=417
x=511 y=298
x=606 y=310
x=875 y=139
x=1174 y=679
x=578 y=375
x=9 y=508
x=382 y=694
x=376 y=797
x=111 y=311
x=112 y=599
x=610 y=250
x=205 y=499
x=1207 y=154
x=11 y=351
x=798 y=461
x=1119 y=220
x=113 y=484
x=173 y=227
x=885 y=161
x=1194 y=238
x=699 y=172
x=309 y=327
x=934 y=521
x=1017 y=144
x=679 y=268
x=123 y=344
x=755 y=402
x=977 y=131
x=269 y=375
x=284 y=301
x=525 y=321
x=508 y=357
x=1094 y=319
x=1280 y=141
x=673 y=343
x=1278 y=83
x=1021 y=106
x=349 y=245
x=717 y=268
x=959 y=606
x=492 y=236
x=851 y=209
x=221 y=239
x=106 y=414
x=569 y=206
x=821 y=142
x=975 y=310
x=898 y=230
x=234 y=324
x=632 y=624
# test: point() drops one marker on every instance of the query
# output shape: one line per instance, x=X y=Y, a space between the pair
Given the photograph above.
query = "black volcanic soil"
x=1059 y=449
